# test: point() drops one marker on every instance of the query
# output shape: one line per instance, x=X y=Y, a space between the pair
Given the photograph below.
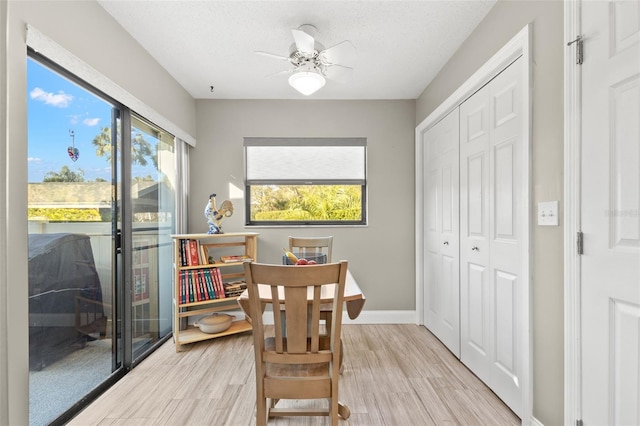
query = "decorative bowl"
x=216 y=323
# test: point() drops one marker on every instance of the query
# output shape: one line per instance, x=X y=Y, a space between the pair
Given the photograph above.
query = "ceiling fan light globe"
x=306 y=82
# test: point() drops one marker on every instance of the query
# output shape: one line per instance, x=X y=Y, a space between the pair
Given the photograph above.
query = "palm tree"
x=141 y=149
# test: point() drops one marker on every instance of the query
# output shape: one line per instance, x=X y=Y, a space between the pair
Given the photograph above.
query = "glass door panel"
x=153 y=178
x=72 y=284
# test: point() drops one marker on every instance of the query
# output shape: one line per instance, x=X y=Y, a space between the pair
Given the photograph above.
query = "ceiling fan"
x=312 y=63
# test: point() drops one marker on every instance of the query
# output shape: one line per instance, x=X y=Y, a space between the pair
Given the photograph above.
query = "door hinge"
x=580 y=247
x=579 y=422
x=579 y=49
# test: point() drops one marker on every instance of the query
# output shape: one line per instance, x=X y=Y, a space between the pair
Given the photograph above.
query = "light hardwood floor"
x=394 y=375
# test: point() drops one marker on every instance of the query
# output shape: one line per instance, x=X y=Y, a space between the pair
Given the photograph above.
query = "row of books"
x=192 y=253
x=197 y=285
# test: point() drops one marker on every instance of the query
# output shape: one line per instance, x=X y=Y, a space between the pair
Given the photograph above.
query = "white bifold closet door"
x=491 y=206
x=442 y=231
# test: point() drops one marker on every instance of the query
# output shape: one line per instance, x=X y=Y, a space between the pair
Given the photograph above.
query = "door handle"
x=118 y=241
x=446 y=243
x=475 y=248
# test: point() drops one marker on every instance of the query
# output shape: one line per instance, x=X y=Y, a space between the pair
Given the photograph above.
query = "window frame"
x=298 y=142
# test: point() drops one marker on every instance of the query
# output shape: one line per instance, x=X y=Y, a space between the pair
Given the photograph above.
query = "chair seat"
x=316 y=385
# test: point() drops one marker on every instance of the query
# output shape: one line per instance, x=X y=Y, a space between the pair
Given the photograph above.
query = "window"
x=305 y=181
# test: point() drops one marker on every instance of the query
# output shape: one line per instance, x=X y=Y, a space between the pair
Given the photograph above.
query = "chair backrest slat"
x=296 y=308
x=277 y=319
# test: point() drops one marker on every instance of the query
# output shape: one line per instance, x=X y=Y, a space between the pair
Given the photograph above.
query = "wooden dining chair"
x=295 y=361
x=313 y=247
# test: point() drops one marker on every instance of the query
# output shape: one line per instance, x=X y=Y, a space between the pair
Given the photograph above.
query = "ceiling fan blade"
x=272 y=55
x=275 y=74
x=304 y=42
x=340 y=52
x=339 y=73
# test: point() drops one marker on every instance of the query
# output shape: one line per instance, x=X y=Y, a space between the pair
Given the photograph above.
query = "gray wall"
x=91 y=34
x=505 y=20
x=380 y=255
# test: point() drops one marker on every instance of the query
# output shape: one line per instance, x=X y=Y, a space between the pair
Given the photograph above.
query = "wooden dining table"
x=354 y=300
x=353 y=296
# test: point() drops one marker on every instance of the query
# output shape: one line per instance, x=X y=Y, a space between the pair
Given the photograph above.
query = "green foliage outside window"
x=64 y=175
x=306 y=203
x=65 y=215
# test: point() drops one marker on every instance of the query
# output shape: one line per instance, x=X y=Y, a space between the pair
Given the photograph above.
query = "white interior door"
x=492 y=187
x=441 y=209
x=610 y=209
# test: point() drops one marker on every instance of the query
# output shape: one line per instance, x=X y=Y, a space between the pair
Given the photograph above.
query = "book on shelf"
x=183 y=286
x=200 y=293
x=204 y=256
x=192 y=289
x=236 y=258
x=203 y=285
x=219 y=283
x=214 y=281
x=234 y=288
x=209 y=282
x=194 y=257
x=183 y=252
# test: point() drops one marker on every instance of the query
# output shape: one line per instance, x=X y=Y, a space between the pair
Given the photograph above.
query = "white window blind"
x=308 y=160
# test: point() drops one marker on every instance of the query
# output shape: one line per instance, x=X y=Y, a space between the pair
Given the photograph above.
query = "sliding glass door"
x=153 y=183
x=101 y=202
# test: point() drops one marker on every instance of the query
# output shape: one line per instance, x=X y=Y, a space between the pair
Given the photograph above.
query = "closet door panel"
x=474 y=234
x=506 y=139
x=490 y=244
x=442 y=275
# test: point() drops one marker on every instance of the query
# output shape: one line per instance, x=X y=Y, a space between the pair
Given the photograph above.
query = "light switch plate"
x=548 y=213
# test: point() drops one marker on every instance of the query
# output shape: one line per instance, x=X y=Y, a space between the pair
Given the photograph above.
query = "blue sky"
x=55 y=107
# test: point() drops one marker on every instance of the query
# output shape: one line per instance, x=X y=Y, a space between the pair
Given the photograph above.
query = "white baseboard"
x=535 y=422
x=382 y=317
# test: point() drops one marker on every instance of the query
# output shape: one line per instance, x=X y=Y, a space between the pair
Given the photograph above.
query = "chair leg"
x=334 y=411
x=261 y=410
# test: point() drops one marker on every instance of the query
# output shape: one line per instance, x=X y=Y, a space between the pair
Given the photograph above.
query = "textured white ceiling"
x=400 y=45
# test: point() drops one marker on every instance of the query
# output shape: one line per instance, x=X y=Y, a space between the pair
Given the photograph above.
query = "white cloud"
x=34 y=160
x=91 y=121
x=60 y=99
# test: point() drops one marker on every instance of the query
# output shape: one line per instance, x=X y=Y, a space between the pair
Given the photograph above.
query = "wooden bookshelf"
x=194 y=293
